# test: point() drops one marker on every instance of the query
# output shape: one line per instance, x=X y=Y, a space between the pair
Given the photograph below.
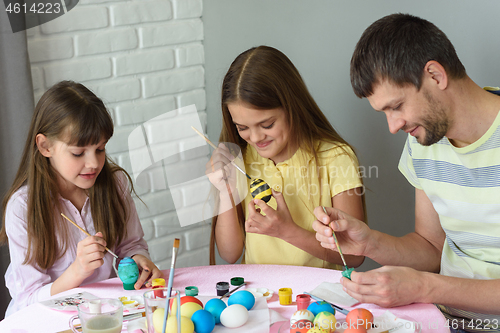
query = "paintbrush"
x=336 y=307
x=232 y=291
x=86 y=233
x=337 y=243
x=170 y=282
x=215 y=147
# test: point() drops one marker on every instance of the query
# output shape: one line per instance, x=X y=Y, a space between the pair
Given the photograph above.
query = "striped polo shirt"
x=463 y=185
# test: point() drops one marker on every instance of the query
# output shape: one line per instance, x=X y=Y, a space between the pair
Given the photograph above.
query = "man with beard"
x=408 y=69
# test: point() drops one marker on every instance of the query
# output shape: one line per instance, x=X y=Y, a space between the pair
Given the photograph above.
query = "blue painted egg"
x=317 y=307
x=215 y=306
x=128 y=272
x=243 y=297
x=204 y=321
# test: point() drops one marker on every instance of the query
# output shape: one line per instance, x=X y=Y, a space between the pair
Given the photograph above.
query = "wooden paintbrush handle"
x=86 y=233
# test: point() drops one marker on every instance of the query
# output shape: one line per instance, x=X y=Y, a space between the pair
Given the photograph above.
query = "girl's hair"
x=67 y=112
x=265 y=78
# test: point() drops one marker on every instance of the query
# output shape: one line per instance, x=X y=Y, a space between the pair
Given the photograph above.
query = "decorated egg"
x=301 y=314
x=325 y=320
x=128 y=272
x=187 y=325
x=317 y=307
x=301 y=326
x=359 y=317
x=347 y=273
x=215 y=306
x=204 y=321
x=235 y=315
x=317 y=329
x=260 y=190
x=243 y=297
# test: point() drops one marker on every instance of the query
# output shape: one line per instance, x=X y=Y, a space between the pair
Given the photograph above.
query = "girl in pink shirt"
x=64 y=169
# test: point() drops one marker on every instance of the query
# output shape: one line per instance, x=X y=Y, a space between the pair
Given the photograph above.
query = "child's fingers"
x=265 y=208
x=142 y=278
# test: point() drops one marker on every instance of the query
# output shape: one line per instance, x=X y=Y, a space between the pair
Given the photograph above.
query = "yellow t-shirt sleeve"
x=343 y=171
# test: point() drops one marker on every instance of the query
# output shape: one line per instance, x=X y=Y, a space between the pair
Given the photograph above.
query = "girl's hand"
x=221 y=160
x=148 y=270
x=89 y=255
x=353 y=235
x=277 y=223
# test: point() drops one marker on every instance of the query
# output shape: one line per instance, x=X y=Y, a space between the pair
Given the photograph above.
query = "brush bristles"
x=176 y=243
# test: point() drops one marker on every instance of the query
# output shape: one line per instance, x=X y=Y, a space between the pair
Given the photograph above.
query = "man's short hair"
x=397 y=47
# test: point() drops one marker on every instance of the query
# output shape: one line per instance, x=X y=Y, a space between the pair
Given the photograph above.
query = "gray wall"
x=319 y=36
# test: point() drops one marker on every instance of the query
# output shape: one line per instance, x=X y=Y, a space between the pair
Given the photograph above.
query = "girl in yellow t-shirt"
x=285 y=139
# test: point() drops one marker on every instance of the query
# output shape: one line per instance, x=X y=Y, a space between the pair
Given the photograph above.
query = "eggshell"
x=301 y=314
x=317 y=307
x=243 y=297
x=187 y=325
x=215 y=306
x=301 y=326
x=235 y=315
x=187 y=309
x=203 y=321
x=359 y=317
x=325 y=320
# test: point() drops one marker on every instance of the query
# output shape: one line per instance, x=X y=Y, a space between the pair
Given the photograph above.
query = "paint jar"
x=156 y=284
x=285 y=295
x=237 y=281
x=191 y=291
x=222 y=288
x=303 y=301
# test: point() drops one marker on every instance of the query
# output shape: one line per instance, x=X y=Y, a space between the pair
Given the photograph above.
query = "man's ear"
x=44 y=145
x=435 y=72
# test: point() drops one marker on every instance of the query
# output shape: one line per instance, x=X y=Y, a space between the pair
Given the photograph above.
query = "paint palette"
x=261 y=292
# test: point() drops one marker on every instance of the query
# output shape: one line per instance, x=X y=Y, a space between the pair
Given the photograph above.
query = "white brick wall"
x=144 y=58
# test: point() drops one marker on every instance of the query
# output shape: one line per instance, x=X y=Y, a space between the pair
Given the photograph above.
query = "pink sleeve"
x=27 y=283
x=134 y=243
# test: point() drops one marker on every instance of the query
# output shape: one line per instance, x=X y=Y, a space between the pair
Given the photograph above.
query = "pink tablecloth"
x=38 y=318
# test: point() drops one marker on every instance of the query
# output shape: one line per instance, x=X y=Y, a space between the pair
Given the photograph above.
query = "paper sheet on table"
x=333 y=293
x=258 y=320
x=388 y=320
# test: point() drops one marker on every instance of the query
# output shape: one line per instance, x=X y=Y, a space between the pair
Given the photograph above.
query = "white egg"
x=235 y=315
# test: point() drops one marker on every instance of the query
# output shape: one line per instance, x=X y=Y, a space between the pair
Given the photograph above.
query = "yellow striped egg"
x=260 y=190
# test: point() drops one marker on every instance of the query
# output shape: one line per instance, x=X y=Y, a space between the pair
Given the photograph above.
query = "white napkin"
x=258 y=320
x=334 y=293
x=388 y=320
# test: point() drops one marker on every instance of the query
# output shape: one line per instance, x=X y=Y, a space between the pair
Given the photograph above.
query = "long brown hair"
x=266 y=79
x=69 y=112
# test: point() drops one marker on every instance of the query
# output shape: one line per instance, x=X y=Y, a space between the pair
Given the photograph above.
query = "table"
x=40 y=319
